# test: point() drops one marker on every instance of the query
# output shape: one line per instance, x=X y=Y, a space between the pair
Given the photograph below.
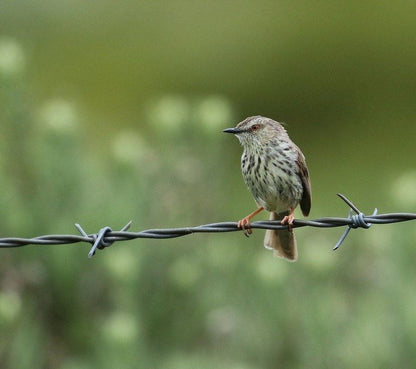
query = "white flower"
x=12 y=57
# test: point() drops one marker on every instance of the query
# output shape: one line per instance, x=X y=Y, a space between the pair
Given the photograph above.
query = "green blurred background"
x=111 y=111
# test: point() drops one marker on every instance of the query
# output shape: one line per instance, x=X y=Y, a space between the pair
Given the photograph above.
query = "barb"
x=98 y=240
x=357 y=220
x=106 y=237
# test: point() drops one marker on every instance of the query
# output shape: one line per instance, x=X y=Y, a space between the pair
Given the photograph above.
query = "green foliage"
x=101 y=131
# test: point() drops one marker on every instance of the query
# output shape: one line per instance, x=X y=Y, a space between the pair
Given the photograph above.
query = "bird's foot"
x=244 y=224
x=288 y=219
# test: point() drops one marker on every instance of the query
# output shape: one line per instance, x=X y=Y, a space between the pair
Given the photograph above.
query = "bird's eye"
x=255 y=127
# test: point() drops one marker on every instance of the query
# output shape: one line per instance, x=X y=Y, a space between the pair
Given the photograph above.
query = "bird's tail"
x=283 y=241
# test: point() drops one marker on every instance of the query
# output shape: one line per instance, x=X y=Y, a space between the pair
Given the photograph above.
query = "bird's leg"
x=246 y=222
x=288 y=219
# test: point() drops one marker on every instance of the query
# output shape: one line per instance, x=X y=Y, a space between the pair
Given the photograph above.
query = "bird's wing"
x=306 y=201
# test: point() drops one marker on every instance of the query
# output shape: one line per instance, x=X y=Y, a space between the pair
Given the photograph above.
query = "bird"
x=275 y=172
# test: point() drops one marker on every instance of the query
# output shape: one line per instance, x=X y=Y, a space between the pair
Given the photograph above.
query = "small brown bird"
x=275 y=172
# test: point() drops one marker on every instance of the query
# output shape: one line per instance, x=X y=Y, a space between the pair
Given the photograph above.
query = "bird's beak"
x=235 y=131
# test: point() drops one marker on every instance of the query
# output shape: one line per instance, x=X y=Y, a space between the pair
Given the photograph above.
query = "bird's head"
x=257 y=130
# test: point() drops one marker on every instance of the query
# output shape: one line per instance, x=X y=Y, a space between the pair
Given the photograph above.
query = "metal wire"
x=105 y=237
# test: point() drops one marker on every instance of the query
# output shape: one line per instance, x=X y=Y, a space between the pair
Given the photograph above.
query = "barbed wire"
x=105 y=237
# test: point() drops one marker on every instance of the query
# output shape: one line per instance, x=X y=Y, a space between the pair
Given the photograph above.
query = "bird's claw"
x=243 y=223
x=288 y=219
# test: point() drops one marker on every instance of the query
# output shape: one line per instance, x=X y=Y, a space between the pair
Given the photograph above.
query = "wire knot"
x=98 y=240
x=357 y=220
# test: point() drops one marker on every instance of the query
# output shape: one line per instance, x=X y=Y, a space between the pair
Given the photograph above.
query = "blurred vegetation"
x=111 y=112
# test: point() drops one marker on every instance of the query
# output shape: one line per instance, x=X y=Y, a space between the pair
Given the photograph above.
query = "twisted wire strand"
x=106 y=236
